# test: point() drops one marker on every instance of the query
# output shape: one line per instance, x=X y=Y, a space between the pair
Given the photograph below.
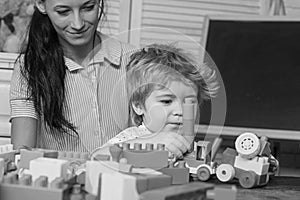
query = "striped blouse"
x=96 y=101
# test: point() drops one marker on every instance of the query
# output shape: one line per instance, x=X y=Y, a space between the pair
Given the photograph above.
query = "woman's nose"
x=77 y=22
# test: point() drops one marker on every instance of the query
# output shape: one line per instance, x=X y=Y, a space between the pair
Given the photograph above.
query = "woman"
x=68 y=90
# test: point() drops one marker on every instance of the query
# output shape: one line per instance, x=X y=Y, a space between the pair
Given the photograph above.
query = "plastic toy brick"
x=155 y=181
x=10 y=166
x=76 y=160
x=101 y=157
x=7 y=152
x=115 y=152
x=148 y=157
x=13 y=189
x=50 y=167
x=194 y=190
x=77 y=193
x=141 y=183
x=224 y=192
x=249 y=179
x=118 y=186
x=6 y=148
x=259 y=165
x=96 y=196
x=2 y=167
x=91 y=197
x=265 y=149
x=124 y=167
x=150 y=179
x=71 y=155
x=147 y=178
x=93 y=171
x=27 y=155
x=179 y=173
x=189 y=119
x=147 y=181
x=80 y=178
x=229 y=155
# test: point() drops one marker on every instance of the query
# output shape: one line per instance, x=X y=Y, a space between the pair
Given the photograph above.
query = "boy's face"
x=163 y=108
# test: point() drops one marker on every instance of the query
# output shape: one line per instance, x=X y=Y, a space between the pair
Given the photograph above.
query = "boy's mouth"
x=176 y=123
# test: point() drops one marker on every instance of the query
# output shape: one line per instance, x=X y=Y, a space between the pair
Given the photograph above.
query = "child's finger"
x=181 y=144
x=184 y=144
x=174 y=150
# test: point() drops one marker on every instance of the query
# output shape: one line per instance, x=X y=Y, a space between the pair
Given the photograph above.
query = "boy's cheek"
x=157 y=113
x=157 y=119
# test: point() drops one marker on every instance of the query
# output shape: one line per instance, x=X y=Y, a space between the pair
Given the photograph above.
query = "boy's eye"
x=166 y=101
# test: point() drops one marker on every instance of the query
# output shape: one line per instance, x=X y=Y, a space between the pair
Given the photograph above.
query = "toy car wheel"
x=203 y=173
x=225 y=172
x=247 y=179
x=247 y=145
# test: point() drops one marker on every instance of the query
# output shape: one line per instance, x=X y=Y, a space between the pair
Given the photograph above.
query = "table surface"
x=279 y=187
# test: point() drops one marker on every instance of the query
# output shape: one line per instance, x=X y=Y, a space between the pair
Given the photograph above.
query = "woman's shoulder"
x=116 y=43
x=19 y=62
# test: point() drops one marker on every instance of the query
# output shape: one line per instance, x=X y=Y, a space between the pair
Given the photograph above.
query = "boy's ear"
x=137 y=108
x=40 y=4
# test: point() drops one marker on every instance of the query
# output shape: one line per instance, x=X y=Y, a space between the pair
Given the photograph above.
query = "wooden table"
x=279 y=187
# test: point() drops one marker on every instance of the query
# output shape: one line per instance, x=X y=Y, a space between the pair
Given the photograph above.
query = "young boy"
x=159 y=79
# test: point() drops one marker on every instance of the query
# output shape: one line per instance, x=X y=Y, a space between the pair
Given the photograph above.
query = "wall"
x=182 y=22
x=6 y=69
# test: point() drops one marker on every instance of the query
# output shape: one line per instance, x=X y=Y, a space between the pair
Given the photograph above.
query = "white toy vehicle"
x=250 y=163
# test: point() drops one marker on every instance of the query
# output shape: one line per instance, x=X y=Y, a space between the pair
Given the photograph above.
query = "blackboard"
x=259 y=62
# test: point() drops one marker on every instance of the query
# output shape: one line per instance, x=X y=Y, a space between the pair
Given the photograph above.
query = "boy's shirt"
x=130 y=134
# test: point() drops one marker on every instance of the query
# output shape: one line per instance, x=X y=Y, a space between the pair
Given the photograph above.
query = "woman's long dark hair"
x=44 y=68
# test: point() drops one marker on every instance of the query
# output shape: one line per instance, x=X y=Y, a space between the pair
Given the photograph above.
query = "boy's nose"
x=178 y=109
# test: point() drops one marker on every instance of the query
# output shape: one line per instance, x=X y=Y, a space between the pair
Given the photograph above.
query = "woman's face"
x=75 y=21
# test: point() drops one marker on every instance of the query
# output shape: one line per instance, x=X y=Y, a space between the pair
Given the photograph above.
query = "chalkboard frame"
x=284 y=134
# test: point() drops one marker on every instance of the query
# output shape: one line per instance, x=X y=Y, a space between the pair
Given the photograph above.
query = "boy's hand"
x=174 y=142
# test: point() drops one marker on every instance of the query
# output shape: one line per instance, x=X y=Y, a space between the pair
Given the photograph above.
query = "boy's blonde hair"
x=156 y=65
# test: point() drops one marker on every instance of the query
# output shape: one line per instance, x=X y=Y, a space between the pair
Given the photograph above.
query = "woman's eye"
x=89 y=8
x=62 y=12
